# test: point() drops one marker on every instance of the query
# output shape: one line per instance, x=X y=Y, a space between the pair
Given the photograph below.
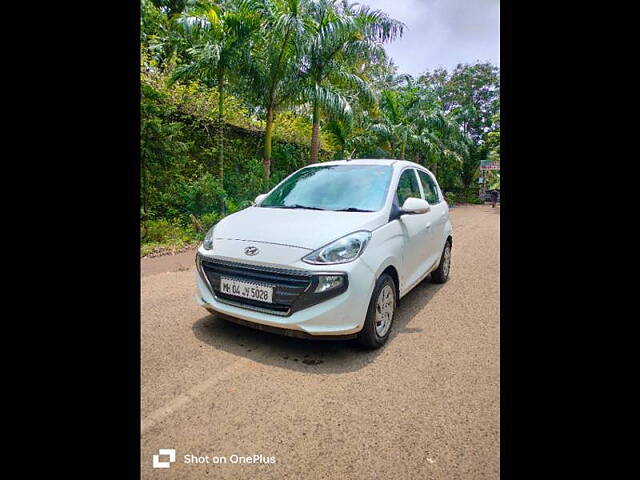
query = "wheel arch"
x=392 y=271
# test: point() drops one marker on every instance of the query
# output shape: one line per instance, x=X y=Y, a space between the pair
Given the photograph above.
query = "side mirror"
x=415 y=206
x=260 y=198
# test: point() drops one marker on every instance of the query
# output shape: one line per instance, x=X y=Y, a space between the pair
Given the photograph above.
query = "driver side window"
x=408 y=186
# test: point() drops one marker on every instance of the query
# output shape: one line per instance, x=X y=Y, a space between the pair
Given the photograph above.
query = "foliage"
x=451 y=198
x=342 y=39
x=492 y=139
x=163 y=230
x=462 y=197
x=237 y=94
x=178 y=160
x=493 y=180
x=472 y=196
x=471 y=94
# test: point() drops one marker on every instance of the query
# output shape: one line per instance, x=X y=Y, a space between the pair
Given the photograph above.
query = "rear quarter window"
x=430 y=189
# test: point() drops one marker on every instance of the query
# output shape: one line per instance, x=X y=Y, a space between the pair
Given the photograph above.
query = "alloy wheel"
x=384 y=310
x=446 y=261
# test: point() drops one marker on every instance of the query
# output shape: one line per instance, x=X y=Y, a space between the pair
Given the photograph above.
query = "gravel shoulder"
x=177 y=262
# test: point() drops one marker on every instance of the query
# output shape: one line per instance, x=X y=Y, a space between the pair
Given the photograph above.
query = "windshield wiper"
x=352 y=209
x=295 y=205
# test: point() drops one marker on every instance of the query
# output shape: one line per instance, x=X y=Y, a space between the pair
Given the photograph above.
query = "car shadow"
x=309 y=356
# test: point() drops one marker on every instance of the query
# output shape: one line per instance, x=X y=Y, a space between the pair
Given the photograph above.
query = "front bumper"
x=288 y=332
x=339 y=316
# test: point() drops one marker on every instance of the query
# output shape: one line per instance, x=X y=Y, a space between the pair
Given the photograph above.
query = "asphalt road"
x=426 y=406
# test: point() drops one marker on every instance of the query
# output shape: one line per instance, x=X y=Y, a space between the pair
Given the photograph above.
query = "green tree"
x=492 y=139
x=163 y=149
x=412 y=119
x=311 y=63
x=271 y=71
x=171 y=7
x=470 y=95
x=160 y=30
x=342 y=37
x=217 y=34
x=395 y=127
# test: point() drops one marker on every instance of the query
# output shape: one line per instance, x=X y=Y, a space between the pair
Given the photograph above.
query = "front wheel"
x=441 y=274
x=382 y=309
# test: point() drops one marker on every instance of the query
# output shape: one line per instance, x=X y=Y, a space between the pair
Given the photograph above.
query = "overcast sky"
x=443 y=33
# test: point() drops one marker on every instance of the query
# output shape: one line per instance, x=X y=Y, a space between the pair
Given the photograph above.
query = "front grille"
x=288 y=285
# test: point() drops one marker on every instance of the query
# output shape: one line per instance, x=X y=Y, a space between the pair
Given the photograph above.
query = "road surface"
x=426 y=406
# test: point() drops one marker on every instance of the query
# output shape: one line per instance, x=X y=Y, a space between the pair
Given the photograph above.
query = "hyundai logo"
x=251 y=251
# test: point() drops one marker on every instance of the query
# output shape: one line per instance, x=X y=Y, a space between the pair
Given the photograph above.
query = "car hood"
x=310 y=229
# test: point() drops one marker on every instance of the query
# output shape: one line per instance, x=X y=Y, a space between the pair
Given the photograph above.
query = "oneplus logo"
x=164 y=451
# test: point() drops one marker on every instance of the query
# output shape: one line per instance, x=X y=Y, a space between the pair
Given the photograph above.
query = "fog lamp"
x=328 y=282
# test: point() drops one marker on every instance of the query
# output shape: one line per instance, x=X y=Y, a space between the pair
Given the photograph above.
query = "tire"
x=441 y=274
x=380 y=315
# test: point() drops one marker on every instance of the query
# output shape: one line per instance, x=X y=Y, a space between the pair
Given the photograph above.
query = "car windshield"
x=349 y=188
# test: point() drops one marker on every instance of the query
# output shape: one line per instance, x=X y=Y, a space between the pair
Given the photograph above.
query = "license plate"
x=249 y=290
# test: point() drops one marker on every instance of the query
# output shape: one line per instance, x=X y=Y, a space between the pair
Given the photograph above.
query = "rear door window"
x=430 y=190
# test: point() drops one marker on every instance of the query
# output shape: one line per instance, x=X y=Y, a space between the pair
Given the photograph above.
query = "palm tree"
x=271 y=70
x=341 y=133
x=216 y=34
x=438 y=137
x=396 y=126
x=342 y=38
x=412 y=118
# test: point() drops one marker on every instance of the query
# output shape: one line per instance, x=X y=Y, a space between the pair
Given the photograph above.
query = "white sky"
x=443 y=33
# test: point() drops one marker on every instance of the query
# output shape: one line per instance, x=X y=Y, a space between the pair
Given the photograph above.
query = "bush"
x=200 y=195
x=208 y=220
x=451 y=198
x=466 y=196
x=473 y=198
x=165 y=231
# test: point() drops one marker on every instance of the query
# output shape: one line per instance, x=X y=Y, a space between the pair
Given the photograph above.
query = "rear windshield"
x=333 y=187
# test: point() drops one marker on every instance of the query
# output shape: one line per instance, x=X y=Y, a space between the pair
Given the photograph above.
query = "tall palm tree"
x=216 y=34
x=342 y=38
x=271 y=70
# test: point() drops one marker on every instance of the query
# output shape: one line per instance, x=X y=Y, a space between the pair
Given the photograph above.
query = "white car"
x=329 y=252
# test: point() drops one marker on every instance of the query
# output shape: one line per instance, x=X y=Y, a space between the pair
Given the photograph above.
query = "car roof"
x=398 y=164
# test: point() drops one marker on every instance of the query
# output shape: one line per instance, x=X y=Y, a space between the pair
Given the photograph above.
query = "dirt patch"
x=162 y=251
x=181 y=260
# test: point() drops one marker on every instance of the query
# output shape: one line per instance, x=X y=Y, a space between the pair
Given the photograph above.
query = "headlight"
x=208 y=239
x=343 y=250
